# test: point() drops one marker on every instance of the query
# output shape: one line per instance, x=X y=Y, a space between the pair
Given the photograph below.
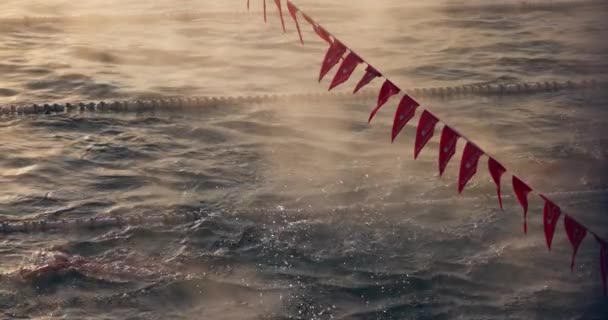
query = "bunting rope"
x=406 y=109
x=184 y=104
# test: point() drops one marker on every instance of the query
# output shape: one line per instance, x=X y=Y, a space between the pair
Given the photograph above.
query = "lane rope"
x=89 y=224
x=191 y=104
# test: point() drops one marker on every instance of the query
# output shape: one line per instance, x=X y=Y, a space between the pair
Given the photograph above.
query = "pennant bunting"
x=386 y=92
x=405 y=112
x=603 y=262
x=370 y=74
x=346 y=69
x=468 y=164
x=293 y=12
x=521 y=191
x=496 y=171
x=576 y=233
x=449 y=137
x=447 y=147
x=278 y=2
x=551 y=214
x=332 y=57
x=425 y=131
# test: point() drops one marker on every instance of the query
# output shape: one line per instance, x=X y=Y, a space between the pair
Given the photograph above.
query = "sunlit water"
x=311 y=213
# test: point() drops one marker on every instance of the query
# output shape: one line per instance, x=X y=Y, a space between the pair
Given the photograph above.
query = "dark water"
x=310 y=213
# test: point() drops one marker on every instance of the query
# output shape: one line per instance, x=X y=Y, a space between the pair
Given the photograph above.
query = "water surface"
x=310 y=213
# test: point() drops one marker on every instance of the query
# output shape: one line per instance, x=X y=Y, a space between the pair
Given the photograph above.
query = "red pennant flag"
x=278 y=2
x=496 y=171
x=405 y=112
x=332 y=57
x=293 y=12
x=551 y=214
x=318 y=29
x=265 y=20
x=323 y=33
x=603 y=262
x=447 y=147
x=386 y=92
x=521 y=191
x=468 y=164
x=576 y=233
x=425 y=131
x=346 y=69
x=370 y=74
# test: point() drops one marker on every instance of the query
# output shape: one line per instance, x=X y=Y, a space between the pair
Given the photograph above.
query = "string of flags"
x=472 y=153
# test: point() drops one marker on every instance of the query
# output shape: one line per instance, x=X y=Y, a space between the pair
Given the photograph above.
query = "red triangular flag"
x=521 y=191
x=576 y=233
x=318 y=29
x=468 y=164
x=603 y=261
x=386 y=92
x=405 y=112
x=425 y=131
x=370 y=74
x=346 y=69
x=332 y=57
x=293 y=12
x=278 y=2
x=447 y=147
x=496 y=171
x=323 y=33
x=551 y=214
x=265 y=19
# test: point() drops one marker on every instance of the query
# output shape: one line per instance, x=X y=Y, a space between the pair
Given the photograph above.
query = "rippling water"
x=310 y=213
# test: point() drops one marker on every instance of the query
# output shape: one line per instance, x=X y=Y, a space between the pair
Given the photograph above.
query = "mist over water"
x=310 y=212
